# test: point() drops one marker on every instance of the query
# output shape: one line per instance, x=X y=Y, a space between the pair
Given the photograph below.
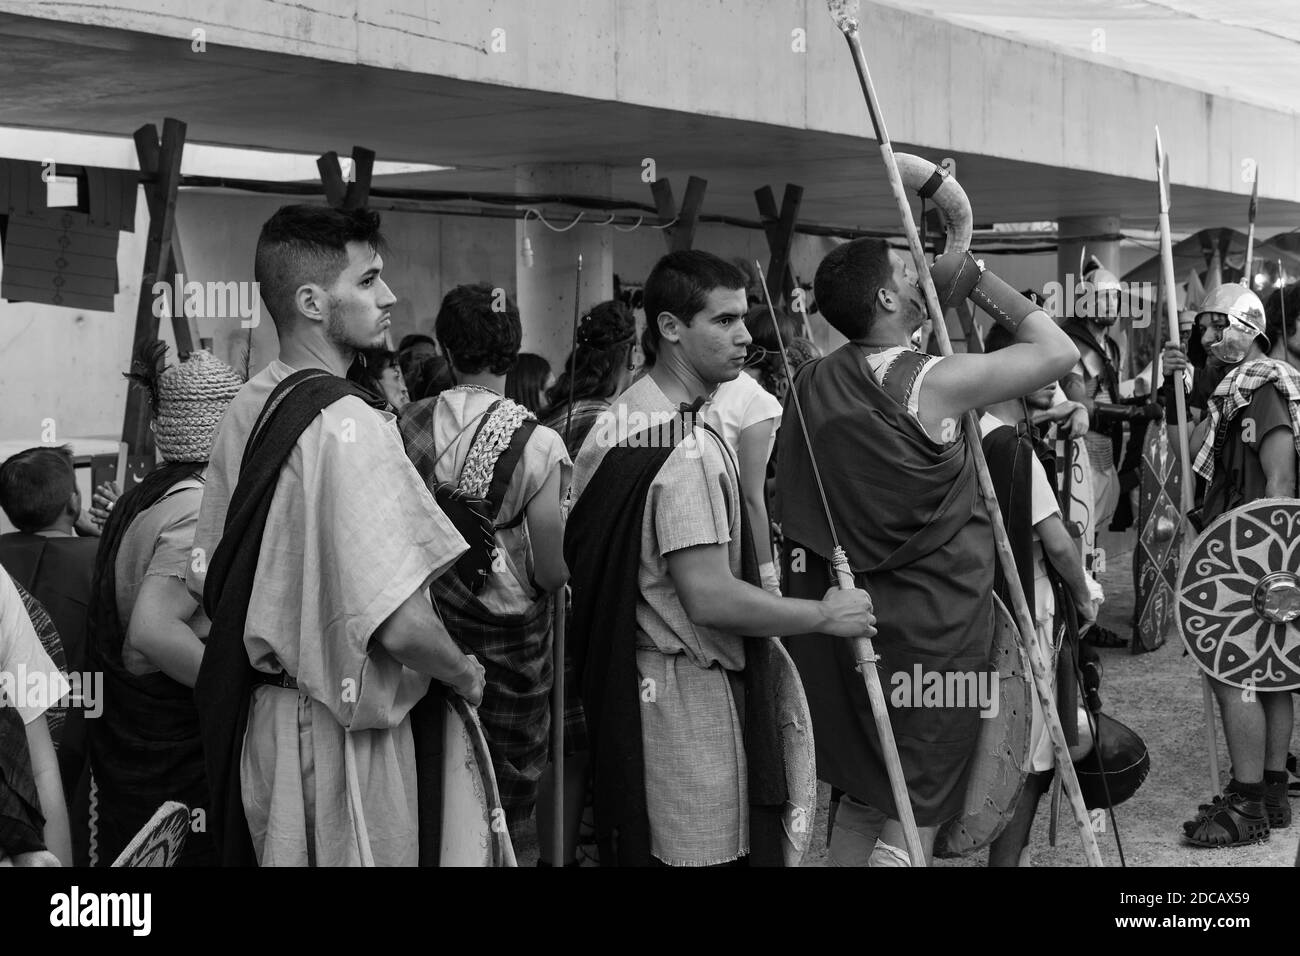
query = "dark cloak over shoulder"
x=918 y=538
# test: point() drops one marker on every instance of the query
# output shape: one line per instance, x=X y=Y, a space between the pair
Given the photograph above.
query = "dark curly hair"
x=604 y=336
x=479 y=329
x=303 y=244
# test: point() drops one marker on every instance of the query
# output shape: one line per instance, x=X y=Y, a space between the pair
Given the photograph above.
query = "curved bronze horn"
x=937 y=185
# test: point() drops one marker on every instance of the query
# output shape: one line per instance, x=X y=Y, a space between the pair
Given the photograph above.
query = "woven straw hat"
x=191 y=398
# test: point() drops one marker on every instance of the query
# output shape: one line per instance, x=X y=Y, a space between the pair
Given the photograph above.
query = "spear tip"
x=844 y=13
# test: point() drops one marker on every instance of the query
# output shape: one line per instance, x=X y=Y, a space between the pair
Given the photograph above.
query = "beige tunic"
x=696 y=774
x=328 y=771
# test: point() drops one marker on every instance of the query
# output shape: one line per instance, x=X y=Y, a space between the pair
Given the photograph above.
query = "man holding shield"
x=1248 y=452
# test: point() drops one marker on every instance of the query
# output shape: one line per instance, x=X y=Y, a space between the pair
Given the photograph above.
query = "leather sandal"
x=1277 y=806
x=1236 y=820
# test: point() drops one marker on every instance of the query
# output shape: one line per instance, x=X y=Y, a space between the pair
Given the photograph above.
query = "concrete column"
x=545 y=289
x=1075 y=233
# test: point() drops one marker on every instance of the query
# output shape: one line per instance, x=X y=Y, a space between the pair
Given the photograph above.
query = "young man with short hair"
x=316 y=543
x=666 y=595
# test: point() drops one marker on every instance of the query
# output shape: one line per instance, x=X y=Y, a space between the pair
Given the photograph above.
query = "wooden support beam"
x=331 y=178
x=355 y=193
x=185 y=328
x=363 y=166
x=684 y=232
x=662 y=191
x=681 y=234
x=157 y=257
x=779 y=227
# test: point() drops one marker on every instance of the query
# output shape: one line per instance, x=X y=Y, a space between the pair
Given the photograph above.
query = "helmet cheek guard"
x=1234 y=343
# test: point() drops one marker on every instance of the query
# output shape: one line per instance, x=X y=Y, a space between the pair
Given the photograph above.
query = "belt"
x=281 y=679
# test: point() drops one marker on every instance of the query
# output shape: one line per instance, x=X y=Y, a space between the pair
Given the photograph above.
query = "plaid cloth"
x=574 y=428
x=1234 y=393
x=516 y=653
x=57 y=715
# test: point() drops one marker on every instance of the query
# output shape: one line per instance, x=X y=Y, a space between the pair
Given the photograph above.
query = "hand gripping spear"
x=863 y=649
x=560 y=610
x=844 y=12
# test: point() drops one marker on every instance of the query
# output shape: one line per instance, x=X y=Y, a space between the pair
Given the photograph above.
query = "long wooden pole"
x=1171 y=315
x=1180 y=404
x=557 y=688
x=863 y=649
x=1020 y=607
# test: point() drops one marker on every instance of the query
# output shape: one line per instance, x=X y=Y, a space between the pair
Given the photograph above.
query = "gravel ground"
x=1159 y=696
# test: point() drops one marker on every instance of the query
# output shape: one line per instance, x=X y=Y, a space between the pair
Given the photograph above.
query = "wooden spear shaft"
x=559 y=819
x=1180 y=426
x=1020 y=607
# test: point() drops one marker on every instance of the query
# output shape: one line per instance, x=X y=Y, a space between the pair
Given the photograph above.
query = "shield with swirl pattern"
x=1239 y=596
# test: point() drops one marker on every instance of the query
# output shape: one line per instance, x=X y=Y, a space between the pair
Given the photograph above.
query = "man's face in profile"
x=359 y=301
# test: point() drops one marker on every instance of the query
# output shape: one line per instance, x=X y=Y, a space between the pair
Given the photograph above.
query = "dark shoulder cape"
x=918 y=539
x=226 y=678
x=602 y=546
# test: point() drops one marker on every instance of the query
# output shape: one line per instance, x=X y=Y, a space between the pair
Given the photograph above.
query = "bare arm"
x=1075 y=389
x=159 y=628
x=546 y=533
x=1277 y=457
x=414 y=635
x=49 y=789
x=1061 y=550
x=1041 y=354
x=752 y=455
x=713 y=597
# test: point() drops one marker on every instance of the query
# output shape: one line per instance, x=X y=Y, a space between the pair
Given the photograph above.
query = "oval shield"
x=997 y=772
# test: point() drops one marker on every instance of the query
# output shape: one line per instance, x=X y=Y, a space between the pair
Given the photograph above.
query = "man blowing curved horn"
x=884 y=423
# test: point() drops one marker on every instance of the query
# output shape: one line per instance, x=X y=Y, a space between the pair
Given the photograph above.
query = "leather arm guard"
x=1105 y=414
x=957 y=278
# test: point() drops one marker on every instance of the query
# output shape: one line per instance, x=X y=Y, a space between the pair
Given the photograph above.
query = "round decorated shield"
x=997 y=771
x=1239 y=596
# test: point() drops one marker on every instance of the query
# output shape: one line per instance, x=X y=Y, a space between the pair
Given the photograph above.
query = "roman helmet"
x=1245 y=315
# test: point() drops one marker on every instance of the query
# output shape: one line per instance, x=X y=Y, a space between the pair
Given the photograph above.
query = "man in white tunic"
x=339 y=626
